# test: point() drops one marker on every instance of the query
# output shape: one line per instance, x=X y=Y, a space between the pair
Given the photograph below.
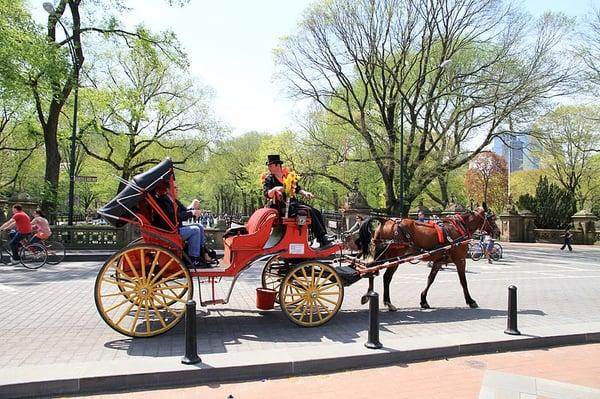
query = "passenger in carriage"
x=273 y=190
x=193 y=234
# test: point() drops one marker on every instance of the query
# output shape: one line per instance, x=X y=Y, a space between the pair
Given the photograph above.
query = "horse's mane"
x=365 y=233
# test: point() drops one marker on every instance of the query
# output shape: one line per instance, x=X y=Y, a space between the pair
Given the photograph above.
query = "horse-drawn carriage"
x=141 y=291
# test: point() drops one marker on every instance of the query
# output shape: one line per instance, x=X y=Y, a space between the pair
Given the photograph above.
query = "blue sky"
x=229 y=43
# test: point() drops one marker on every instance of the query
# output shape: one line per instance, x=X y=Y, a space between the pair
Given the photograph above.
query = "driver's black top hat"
x=273 y=159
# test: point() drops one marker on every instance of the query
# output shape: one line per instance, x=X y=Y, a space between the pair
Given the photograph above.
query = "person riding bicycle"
x=40 y=226
x=488 y=246
x=22 y=224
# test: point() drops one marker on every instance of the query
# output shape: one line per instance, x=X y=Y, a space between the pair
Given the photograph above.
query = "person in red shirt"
x=22 y=224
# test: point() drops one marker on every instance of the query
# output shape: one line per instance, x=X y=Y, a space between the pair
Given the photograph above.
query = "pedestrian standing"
x=568 y=236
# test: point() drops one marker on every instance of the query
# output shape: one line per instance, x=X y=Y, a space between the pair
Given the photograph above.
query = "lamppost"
x=49 y=7
x=442 y=66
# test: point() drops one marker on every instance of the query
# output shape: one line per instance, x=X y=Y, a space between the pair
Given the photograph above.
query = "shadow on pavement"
x=219 y=332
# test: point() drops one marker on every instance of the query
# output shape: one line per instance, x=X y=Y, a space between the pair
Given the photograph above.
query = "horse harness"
x=403 y=238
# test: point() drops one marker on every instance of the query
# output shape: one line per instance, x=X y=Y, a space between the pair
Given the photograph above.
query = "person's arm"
x=8 y=224
x=271 y=190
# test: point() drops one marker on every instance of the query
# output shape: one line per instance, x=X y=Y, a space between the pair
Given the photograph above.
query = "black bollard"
x=191 y=347
x=373 y=342
x=511 y=326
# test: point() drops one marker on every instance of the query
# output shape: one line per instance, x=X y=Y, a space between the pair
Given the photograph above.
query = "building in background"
x=517 y=150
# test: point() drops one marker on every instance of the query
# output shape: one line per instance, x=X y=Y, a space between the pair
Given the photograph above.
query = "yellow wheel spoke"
x=143 y=264
x=154 y=262
x=162 y=270
x=157 y=313
x=135 y=318
x=117 y=305
x=122 y=284
x=124 y=293
x=331 y=302
x=173 y=298
x=131 y=266
x=125 y=313
x=147 y=312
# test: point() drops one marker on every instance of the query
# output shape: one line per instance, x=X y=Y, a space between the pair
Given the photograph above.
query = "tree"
x=143 y=109
x=551 y=205
x=486 y=179
x=569 y=136
x=378 y=66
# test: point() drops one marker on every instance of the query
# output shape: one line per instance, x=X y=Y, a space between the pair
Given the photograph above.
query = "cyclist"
x=488 y=246
x=22 y=224
x=40 y=226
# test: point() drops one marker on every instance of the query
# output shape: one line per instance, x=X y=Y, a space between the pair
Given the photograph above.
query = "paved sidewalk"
x=556 y=373
x=54 y=341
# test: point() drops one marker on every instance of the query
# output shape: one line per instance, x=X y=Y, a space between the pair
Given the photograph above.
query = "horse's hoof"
x=364 y=299
x=473 y=305
x=390 y=307
x=425 y=305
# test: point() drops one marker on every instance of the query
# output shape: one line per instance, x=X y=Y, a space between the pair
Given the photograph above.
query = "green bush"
x=552 y=206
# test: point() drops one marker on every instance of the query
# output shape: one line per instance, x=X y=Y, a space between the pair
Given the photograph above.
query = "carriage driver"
x=274 y=190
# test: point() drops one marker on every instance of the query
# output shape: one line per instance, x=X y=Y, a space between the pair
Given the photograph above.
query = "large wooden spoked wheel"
x=273 y=273
x=311 y=293
x=142 y=290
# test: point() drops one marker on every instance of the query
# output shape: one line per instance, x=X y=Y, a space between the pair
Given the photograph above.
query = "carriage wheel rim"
x=311 y=294
x=144 y=301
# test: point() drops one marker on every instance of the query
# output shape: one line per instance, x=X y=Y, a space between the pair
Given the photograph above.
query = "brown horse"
x=404 y=237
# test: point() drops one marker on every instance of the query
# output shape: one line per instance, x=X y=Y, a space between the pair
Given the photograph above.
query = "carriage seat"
x=256 y=232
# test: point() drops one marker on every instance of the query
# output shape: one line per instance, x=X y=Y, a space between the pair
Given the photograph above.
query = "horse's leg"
x=435 y=267
x=460 y=269
x=387 y=279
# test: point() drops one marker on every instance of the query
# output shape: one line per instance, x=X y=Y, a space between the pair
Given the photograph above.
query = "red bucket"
x=265 y=298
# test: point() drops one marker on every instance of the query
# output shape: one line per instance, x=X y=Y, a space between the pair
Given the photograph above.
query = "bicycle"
x=31 y=255
x=477 y=250
x=55 y=250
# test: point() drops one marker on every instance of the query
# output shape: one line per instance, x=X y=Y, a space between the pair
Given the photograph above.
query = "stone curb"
x=217 y=368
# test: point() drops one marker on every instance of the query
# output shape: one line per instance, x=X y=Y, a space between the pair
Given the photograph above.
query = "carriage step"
x=214 y=302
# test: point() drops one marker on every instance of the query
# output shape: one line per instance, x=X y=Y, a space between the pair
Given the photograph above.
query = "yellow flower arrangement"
x=290 y=182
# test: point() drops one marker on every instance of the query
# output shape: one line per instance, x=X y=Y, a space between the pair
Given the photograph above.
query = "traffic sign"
x=86 y=179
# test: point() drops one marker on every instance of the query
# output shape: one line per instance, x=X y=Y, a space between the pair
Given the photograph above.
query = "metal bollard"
x=511 y=326
x=191 y=347
x=373 y=342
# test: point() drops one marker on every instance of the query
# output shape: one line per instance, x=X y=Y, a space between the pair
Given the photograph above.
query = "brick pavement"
x=49 y=316
x=556 y=373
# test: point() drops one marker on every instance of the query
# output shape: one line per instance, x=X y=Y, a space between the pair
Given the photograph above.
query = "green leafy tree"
x=378 y=66
x=143 y=109
x=551 y=205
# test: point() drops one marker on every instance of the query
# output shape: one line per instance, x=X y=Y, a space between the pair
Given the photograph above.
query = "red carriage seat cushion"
x=258 y=230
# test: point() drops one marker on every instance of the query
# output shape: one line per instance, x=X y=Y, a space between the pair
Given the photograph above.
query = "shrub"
x=552 y=205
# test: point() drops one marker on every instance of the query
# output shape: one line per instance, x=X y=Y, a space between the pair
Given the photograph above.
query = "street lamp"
x=442 y=66
x=49 y=7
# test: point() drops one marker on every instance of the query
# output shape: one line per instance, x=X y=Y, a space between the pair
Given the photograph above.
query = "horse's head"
x=486 y=221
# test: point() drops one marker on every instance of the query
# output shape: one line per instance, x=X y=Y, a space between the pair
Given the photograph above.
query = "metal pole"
x=71 y=197
x=73 y=145
x=373 y=337
x=511 y=325
x=191 y=346
x=402 y=157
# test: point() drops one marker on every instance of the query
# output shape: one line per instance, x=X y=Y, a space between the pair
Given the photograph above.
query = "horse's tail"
x=365 y=234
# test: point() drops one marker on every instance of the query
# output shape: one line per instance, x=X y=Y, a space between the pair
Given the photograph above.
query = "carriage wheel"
x=273 y=273
x=142 y=290
x=311 y=293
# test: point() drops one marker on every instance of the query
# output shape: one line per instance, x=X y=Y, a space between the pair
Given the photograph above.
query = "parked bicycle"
x=476 y=250
x=31 y=255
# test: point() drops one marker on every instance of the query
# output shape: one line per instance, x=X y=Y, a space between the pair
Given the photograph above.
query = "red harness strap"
x=457 y=225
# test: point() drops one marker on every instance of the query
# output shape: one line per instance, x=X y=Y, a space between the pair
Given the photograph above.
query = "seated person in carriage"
x=193 y=234
x=273 y=190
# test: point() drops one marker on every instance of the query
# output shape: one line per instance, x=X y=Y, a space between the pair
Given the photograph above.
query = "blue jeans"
x=193 y=234
x=15 y=243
